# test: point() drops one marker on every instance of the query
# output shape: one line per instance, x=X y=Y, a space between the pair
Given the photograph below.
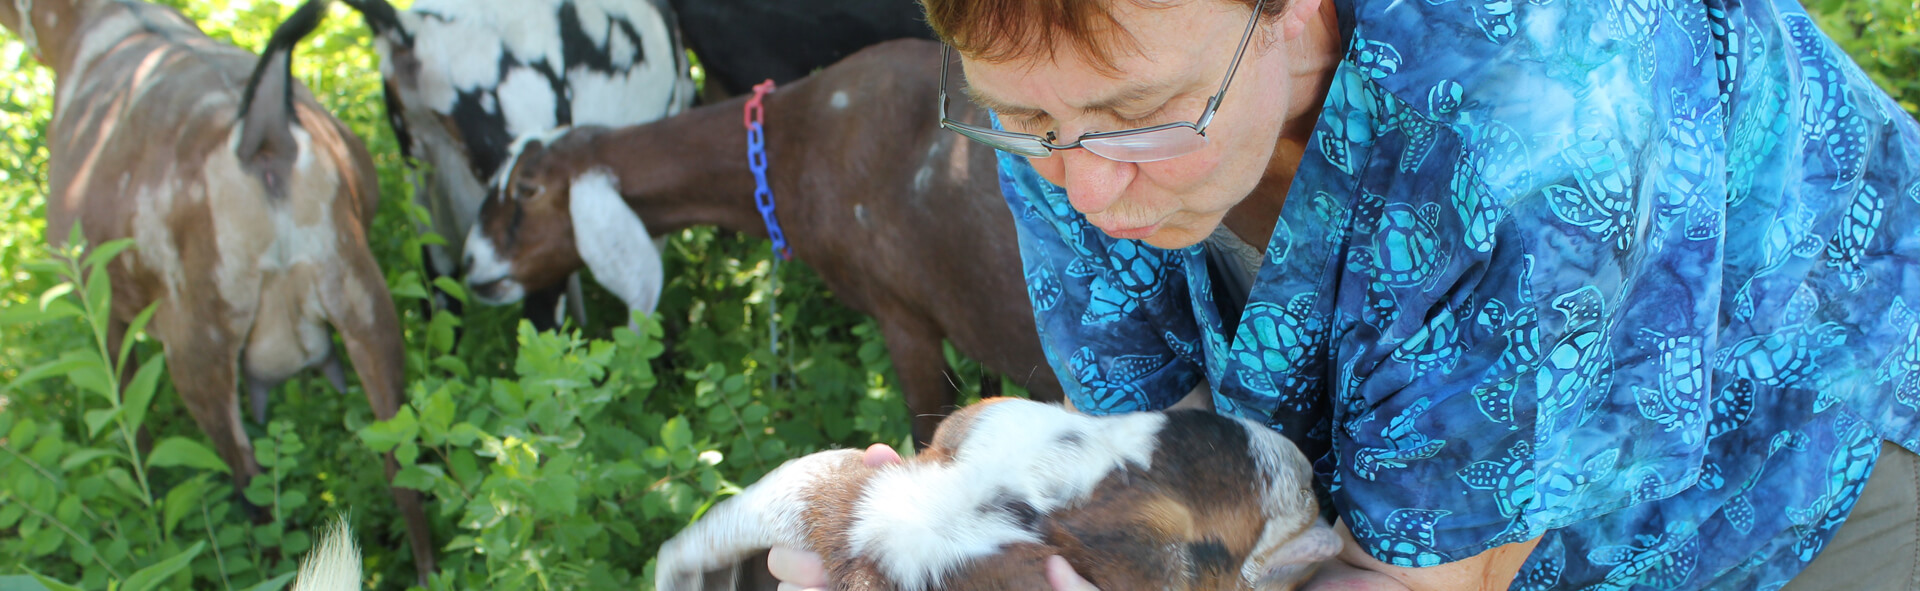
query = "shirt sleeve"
x=1108 y=311
x=1529 y=286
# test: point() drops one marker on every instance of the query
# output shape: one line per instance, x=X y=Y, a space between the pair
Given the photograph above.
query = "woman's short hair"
x=1008 y=30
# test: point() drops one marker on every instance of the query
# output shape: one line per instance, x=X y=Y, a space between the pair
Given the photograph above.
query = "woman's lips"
x=1134 y=233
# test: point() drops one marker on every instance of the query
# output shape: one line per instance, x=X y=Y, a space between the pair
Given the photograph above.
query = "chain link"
x=754 y=117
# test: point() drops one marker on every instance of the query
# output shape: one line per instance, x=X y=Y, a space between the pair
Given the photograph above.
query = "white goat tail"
x=333 y=565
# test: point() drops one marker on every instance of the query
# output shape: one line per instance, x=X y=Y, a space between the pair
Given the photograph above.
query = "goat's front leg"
x=914 y=344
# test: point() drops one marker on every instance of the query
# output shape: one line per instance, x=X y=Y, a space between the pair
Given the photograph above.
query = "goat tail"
x=334 y=564
x=769 y=513
x=266 y=145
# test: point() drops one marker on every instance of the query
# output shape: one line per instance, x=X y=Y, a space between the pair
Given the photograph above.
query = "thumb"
x=1062 y=577
x=879 y=454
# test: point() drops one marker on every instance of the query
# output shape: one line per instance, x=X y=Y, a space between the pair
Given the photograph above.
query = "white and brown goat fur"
x=1184 y=499
x=249 y=205
x=464 y=78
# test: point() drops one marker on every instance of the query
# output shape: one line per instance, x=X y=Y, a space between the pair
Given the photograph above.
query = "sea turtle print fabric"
x=1638 y=277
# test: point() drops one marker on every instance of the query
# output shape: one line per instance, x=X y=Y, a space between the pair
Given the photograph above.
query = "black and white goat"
x=464 y=78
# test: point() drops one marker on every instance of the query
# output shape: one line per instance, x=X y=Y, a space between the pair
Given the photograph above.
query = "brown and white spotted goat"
x=902 y=220
x=248 y=203
x=1184 y=499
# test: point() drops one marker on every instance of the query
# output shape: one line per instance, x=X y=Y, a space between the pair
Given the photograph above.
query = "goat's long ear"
x=267 y=146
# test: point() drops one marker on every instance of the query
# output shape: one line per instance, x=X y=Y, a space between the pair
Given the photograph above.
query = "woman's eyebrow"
x=1128 y=95
x=1000 y=107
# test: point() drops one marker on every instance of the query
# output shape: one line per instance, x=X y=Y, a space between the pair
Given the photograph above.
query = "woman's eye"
x=1143 y=120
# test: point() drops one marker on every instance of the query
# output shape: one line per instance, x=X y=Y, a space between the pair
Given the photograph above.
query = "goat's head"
x=524 y=240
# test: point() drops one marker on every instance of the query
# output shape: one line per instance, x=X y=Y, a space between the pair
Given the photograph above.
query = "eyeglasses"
x=1145 y=144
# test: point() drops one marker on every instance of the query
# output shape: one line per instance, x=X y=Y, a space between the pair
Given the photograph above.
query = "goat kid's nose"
x=1094 y=183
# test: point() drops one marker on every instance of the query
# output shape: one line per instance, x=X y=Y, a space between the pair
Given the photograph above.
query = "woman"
x=1562 y=294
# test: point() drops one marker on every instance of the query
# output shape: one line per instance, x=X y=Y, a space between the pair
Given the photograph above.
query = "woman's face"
x=1184 y=51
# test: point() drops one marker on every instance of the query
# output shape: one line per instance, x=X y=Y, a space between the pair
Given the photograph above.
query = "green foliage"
x=549 y=460
x=1883 y=36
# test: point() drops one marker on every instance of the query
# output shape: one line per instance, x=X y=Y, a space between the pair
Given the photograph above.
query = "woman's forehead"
x=1176 y=48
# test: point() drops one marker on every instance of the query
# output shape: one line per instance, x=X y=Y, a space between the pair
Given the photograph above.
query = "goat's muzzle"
x=488 y=276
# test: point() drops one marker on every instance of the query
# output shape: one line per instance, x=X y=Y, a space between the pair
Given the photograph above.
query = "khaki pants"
x=1878 y=548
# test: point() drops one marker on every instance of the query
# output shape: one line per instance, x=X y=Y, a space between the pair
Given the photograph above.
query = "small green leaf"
x=148 y=578
x=59 y=367
x=408 y=289
x=180 y=451
x=295 y=542
x=81 y=457
x=54 y=293
x=124 y=481
x=293 y=499
x=407 y=452
x=140 y=391
x=453 y=365
x=99 y=294
x=464 y=434
x=436 y=416
x=420 y=477
x=69 y=511
x=92 y=377
x=675 y=434
x=31 y=315
x=134 y=329
x=382 y=436
x=183 y=499
x=452 y=288
x=274 y=584
x=105 y=252
x=44 y=542
x=755 y=413
x=53 y=585
x=440 y=333
x=98 y=418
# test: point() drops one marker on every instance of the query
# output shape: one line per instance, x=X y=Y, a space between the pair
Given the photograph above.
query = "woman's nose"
x=1094 y=183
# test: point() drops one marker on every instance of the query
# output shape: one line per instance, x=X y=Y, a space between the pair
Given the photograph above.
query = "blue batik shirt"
x=1635 y=277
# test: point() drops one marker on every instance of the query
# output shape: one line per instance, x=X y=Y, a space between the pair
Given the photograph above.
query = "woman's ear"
x=1294 y=18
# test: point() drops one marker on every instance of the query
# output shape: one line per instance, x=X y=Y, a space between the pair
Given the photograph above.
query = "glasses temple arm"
x=1213 y=104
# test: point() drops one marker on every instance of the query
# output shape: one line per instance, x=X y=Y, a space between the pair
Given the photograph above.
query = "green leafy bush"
x=551 y=460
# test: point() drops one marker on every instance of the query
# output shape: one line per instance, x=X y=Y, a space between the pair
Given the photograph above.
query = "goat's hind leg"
x=361 y=309
x=205 y=367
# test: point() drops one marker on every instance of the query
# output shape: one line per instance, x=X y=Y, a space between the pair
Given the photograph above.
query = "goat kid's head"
x=524 y=240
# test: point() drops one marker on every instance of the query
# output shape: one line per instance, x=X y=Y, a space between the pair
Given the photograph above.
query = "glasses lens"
x=1021 y=145
x=1152 y=146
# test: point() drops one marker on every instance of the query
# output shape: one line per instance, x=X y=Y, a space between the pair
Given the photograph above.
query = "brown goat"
x=1184 y=499
x=248 y=203
x=903 y=221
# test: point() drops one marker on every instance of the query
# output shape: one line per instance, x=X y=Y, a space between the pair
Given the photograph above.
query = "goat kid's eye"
x=525 y=190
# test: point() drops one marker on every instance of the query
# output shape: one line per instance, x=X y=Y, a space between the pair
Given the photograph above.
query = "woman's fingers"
x=1063 y=578
x=880 y=454
x=796 y=569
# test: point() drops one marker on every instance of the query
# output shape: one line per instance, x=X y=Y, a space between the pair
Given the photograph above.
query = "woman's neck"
x=1254 y=218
